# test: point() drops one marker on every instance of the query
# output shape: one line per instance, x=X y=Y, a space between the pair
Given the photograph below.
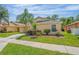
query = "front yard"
x=8 y=34
x=16 y=49
x=69 y=39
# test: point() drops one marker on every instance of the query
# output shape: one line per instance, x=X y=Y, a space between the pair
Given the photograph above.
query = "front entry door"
x=54 y=28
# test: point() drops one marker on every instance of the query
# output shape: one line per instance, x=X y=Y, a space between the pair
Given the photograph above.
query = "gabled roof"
x=12 y=24
x=41 y=19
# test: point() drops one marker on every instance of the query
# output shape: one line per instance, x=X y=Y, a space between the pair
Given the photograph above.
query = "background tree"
x=4 y=15
x=63 y=19
x=54 y=17
x=48 y=17
x=69 y=20
x=77 y=18
x=66 y=21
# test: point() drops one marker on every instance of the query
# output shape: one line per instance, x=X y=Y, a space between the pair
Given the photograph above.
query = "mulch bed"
x=50 y=35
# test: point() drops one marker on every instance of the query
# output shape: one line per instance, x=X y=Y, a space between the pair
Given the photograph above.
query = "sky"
x=43 y=10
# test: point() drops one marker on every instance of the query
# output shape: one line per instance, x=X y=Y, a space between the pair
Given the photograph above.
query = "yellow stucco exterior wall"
x=22 y=29
x=40 y=26
x=11 y=28
x=48 y=25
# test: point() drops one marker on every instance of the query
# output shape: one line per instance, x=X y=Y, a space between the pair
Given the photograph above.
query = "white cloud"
x=21 y=5
x=72 y=7
x=43 y=10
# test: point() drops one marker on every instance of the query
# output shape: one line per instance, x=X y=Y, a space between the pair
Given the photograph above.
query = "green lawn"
x=69 y=39
x=8 y=34
x=16 y=49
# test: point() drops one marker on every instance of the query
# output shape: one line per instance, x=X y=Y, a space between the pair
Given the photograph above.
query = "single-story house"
x=43 y=23
x=13 y=27
x=73 y=27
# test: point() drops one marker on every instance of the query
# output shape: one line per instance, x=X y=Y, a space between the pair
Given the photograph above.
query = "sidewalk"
x=52 y=47
x=2 y=45
x=4 y=41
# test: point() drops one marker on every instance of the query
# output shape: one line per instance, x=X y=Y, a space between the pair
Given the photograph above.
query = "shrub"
x=34 y=32
x=1 y=31
x=38 y=32
x=30 y=32
x=34 y=26
x=58 y=34
x=69 y=31
x=47 y=31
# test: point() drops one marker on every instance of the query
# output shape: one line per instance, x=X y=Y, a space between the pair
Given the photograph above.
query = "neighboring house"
x=18 y=27
x=13 y=27
x=2 y=27
x=73 y=27
x=43 y=23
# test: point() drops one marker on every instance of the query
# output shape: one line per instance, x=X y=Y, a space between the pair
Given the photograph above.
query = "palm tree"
x=22 y=18
x=25 y=17
x=31 y=18
x=4 y=15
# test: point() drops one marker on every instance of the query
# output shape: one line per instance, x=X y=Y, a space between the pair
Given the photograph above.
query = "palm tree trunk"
x=25 y=27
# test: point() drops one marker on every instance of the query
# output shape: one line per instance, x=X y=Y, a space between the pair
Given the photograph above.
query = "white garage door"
x=75 y=31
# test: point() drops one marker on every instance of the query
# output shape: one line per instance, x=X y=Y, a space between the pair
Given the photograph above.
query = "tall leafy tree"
x=48 y=17
x=4 y=15
x=63 y=19
x=66 y=21
x=54 y=17
x=69 y=20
